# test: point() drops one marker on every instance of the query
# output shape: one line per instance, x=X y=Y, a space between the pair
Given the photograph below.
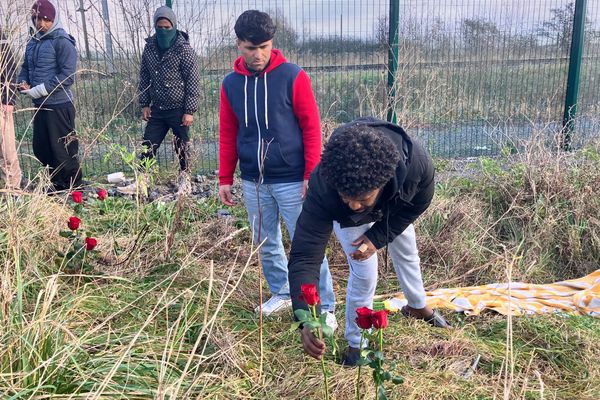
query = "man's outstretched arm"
x=313 y=230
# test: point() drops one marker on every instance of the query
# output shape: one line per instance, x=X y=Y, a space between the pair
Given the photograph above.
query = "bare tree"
x=285 y=37
x=559 y=28
x=479 y=33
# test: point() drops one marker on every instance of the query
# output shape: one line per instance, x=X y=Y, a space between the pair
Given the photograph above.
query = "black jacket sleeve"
x=190 y=72
x=313 y=230
x=403 y=213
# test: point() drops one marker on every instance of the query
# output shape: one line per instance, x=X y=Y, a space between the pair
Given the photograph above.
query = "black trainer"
x=436 y=319
x=350 y=357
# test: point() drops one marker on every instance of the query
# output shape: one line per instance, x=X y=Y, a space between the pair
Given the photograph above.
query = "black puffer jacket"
x=171 y=81
x=404 y=198
x=8 y=72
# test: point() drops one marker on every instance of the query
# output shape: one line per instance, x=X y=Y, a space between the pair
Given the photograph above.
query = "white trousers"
x=363 y=274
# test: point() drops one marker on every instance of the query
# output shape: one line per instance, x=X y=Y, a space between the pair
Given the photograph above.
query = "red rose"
x=77 y=197
x=90 y=243
x=102 y=194
x=73 y=223
x=310 y=294
x=363 y=317
x=379 y=319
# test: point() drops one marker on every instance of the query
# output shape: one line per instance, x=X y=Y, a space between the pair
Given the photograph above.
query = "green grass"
x=164 y=309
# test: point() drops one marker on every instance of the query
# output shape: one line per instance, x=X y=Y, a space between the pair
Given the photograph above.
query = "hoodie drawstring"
x=259 y=147
x=246 y=100
x=266 y=106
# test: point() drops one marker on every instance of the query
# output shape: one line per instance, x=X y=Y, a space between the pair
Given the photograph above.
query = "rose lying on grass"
x=102 y=194
x=90 y=243
x=74 y=223
x=77 y=197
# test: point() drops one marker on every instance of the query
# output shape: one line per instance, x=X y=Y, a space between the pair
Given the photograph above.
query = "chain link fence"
x=473 y=76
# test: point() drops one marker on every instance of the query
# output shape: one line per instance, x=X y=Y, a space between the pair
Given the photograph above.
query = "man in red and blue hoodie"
x=269 y=122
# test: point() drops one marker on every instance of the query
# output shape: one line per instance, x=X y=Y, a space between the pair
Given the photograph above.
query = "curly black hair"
x=358 y=159
x=254 y=26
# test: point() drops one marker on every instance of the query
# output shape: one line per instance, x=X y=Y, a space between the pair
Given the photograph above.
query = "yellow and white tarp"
x=577 y=296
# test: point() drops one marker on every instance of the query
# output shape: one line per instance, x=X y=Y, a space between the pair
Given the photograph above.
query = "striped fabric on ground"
x=576 y=296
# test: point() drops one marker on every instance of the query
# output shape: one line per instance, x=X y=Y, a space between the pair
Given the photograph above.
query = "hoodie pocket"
x=247 y=156
x=275 y=158
x=278 y=162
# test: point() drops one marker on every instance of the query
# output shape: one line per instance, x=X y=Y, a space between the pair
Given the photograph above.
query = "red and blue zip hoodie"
x=269 y=121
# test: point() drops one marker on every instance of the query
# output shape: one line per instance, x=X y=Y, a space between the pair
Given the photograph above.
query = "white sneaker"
x=129 y=189
x=330 y=320
x=139 y=187
x=275 y=304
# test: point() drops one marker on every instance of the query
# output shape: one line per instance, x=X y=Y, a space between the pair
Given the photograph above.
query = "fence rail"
x=471 y=76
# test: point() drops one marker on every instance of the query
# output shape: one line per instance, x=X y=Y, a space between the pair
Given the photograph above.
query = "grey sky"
x=206 y=19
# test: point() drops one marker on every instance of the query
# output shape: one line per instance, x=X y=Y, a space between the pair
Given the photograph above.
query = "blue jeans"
x=283 y=199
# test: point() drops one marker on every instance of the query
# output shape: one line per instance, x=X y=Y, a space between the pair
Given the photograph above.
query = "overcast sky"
x=205 y=19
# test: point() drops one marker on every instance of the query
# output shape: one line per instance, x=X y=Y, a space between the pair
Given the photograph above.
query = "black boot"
x=350 y=357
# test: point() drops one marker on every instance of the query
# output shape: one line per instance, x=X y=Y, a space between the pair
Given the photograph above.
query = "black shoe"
x=436 y=320
x=350 y=357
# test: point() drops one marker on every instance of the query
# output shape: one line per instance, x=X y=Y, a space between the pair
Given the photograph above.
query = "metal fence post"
x=108 y=38
x=392 y=58
x=573 y=77
x=86 y=42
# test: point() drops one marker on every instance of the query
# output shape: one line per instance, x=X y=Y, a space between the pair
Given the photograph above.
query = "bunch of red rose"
x=372 y=324
x=81 y=241
x=367 y=318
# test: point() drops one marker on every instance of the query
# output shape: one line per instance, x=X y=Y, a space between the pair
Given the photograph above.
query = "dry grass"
x=166 y=311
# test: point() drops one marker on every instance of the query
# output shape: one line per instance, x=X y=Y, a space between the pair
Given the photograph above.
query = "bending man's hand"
x=225 y=195
x=312 y=345
x=368 y=249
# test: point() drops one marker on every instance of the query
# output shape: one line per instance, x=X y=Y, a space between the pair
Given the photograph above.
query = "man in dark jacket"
x=9 y=162
x=169 y=90
x=269 y=122
x=371 y=185
x=46 y=76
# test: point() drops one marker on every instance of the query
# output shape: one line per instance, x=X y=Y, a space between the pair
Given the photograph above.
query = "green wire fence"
x=468 y=77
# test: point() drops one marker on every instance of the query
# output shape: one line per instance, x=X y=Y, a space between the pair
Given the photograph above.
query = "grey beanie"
x=167 y=13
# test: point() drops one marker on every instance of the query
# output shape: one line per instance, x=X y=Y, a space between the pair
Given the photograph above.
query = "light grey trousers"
x=363 y=274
